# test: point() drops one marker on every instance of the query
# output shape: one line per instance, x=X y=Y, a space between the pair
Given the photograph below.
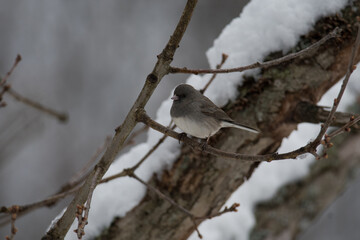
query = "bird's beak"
x=175 y=97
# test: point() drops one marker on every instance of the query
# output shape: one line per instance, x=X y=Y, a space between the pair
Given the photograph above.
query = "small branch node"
x=152 y=78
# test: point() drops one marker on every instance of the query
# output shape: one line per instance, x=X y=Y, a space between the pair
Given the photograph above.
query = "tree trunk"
x=202 y=183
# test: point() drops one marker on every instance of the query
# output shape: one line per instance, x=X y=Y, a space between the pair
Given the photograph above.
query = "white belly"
x=196 y=128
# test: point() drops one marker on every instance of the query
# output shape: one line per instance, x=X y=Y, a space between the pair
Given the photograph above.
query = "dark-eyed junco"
x=198 y=116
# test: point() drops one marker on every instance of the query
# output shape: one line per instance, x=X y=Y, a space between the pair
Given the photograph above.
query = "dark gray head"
x=185 y=92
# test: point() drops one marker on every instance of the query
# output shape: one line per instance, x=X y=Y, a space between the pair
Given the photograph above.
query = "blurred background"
x=89 y=59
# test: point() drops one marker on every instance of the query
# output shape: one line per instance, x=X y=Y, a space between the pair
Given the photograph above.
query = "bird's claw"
x=181 y=136
x=203 y=145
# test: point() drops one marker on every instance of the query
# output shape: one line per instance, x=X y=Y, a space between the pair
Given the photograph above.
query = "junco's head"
x=185 y=92
x=197 y=115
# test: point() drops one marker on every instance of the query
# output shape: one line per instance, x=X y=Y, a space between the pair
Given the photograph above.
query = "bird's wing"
x=208 y=108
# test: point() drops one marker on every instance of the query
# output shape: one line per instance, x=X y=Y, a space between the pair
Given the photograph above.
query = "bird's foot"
x=182 y=136
x=204 y=143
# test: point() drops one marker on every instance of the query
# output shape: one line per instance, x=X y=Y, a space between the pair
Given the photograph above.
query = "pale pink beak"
x=175 y=97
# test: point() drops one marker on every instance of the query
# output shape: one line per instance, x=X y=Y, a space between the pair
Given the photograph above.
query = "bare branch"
x=83 y=220
x=346 y=127
x=278 y=61
x=3 y=81
x=13 y=211
x=232 y=208
x=6 y=88
x=22 y=210
x=62 y=117
x=224 y=57
x=17 y=60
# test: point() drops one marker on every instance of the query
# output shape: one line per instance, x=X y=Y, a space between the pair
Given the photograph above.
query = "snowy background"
x=261 y=30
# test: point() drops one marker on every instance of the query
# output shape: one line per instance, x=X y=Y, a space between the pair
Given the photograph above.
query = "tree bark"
x=202 y=183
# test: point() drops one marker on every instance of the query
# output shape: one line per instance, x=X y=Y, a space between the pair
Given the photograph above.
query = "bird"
x=198 y=116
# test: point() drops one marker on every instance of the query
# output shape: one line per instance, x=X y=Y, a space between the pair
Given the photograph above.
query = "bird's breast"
x=199 y=129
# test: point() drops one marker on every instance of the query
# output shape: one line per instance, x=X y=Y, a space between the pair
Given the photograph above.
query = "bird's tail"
x=239 y=126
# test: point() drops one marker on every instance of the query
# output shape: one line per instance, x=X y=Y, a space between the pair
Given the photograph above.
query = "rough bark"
x=202 y=183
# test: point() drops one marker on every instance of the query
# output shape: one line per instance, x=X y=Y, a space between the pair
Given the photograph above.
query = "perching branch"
x=267 y=64
x=309 y=148
x=59 y=230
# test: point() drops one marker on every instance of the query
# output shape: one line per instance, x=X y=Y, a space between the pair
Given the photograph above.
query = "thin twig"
x=337 y=100
x=137 y=165
x=83 y=219
x=62 y=117
x=17 y=60
x=6 y=88
x=22 y=210
x=13 y=228
x=166 y=198
x=13 y=212
x=3 y=81
x=224 y=57
x=286 y=58
x=232 y=208
x=344 y=128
